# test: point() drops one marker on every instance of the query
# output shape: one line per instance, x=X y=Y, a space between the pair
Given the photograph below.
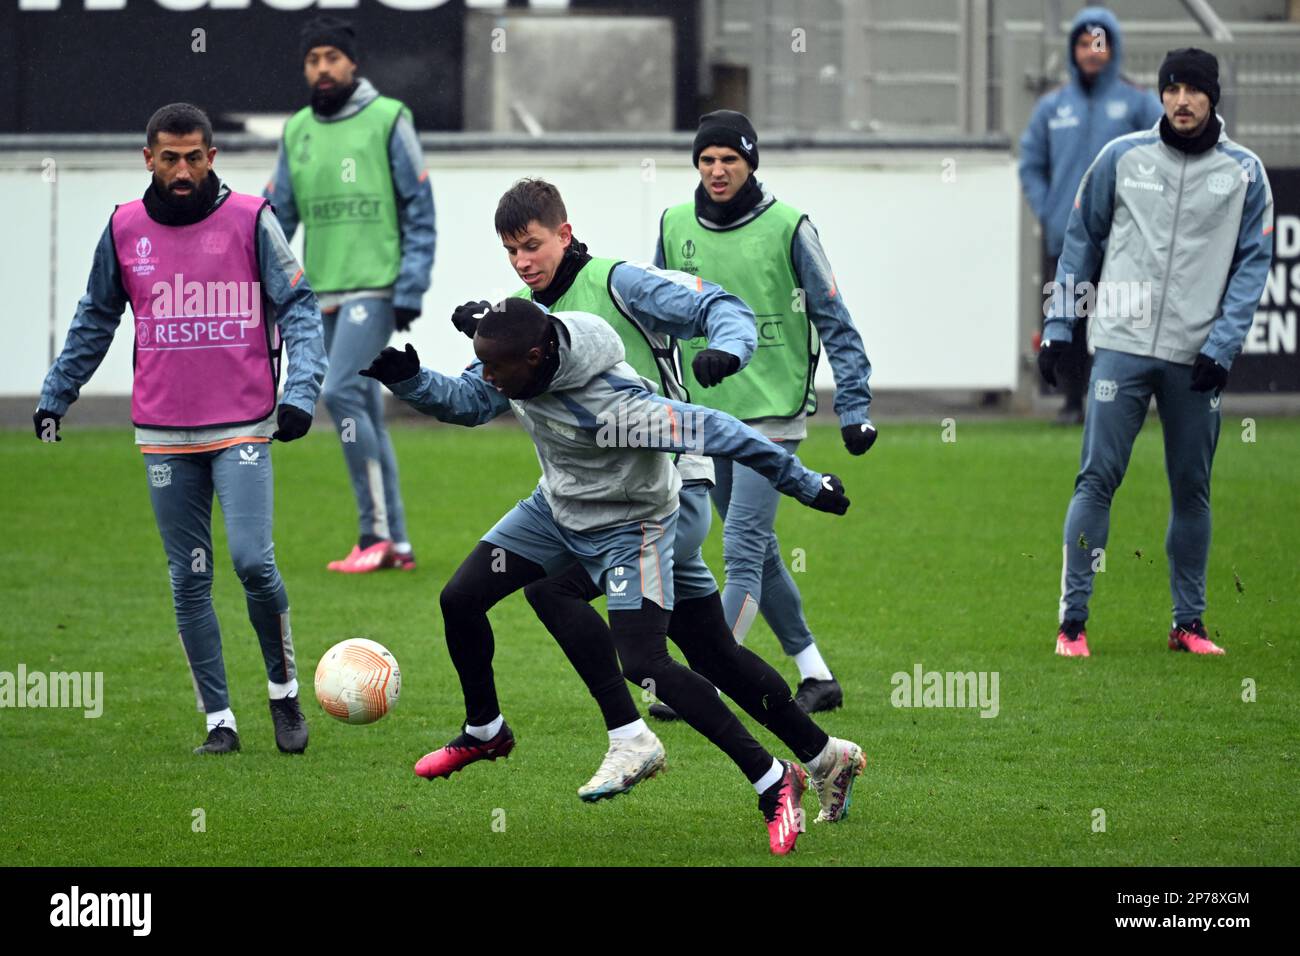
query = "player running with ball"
x=608 y=497
x=650 y=308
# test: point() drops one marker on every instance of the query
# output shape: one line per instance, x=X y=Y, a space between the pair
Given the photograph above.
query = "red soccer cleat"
x=1072 y=640
x=781 y=809
x=462 y=752
x=1192 y=638
x=402 y=561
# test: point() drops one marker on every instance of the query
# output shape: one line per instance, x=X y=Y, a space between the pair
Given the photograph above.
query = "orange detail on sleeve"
x=1267 y=230
x=699 y=283
x=424 y=175
x=294 y=281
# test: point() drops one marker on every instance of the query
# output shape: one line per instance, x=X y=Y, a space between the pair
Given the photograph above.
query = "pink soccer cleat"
x=1072 y=640
x=1192 y=638
x=361 y=560
x=463 y=751
x=781 y=809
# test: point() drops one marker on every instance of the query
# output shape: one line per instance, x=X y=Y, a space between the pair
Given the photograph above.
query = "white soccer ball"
x=357 y=681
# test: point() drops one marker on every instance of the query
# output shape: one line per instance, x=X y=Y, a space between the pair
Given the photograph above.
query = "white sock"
x=487 y=731
x=222 y=718
x=281 y=691
x=815 y=765
x=401 y=547
x=769 y=778
x=627 y=731
x=810 y=664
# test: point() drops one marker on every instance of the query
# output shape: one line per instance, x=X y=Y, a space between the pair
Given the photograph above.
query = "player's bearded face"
x=180 y=165
x=535 y=253
x=1187 y=108
x=722 y=171
x=328 y=70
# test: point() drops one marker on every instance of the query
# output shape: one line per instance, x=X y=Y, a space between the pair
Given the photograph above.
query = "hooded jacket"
x=601 y=432
x=1071 y=124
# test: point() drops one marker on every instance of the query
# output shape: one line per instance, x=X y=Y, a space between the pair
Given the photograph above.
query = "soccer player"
x=649 y=308
x=200 y=264
x=737 y=234
x=608 y=497
x=351 y=170
x=1068 y=128
x=1182 y=209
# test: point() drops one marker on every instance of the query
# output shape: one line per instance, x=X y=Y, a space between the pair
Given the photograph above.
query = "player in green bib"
x=737 y=234
x=350 y=170
x=650 y=308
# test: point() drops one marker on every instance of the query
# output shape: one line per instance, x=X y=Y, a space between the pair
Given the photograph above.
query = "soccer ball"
x=358 y=681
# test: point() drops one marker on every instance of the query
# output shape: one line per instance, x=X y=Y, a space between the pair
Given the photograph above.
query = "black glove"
x=1208 y=374
x=391 y=366
x=293 y=422
x=42 y=420
x=713 y=365
x=1049 y=357
x=831 y=497
x=858 y=439
x=465 y=317
x=404 y=318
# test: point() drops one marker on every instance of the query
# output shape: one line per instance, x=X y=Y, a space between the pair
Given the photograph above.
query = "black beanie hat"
x=726 y=128
x=1195 y=68
x=328 y=31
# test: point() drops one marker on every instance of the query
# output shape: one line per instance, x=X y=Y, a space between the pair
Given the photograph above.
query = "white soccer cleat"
x=834 y=786
x=627 y=762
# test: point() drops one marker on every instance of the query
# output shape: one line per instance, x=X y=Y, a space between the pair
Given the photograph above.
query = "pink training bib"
x=205 y=352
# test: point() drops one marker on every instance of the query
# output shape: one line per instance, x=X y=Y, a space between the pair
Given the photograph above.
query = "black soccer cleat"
x=221 y=740
x=290 y=725
x=663 y=712
x=815 y=695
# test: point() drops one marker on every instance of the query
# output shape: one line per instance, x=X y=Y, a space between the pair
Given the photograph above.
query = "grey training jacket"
x=1184 y=243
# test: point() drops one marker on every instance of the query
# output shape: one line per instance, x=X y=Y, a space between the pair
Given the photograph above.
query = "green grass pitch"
x=949 y=558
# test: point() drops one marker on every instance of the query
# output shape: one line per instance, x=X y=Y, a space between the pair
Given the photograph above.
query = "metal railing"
x=960 y=67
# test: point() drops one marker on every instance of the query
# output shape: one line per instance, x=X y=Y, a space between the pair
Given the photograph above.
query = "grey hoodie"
x=605 y=440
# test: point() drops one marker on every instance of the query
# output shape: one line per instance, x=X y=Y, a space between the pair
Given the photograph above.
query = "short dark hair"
x=527 y=200
x=178 y=119
x=516 y=321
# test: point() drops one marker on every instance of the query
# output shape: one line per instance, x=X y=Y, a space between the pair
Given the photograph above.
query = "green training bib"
x=752 y=261
x=343 y=186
